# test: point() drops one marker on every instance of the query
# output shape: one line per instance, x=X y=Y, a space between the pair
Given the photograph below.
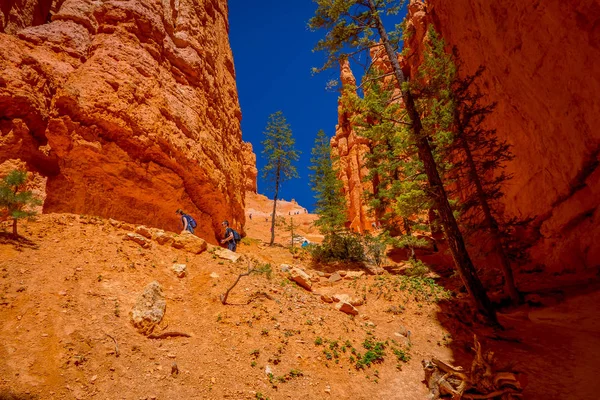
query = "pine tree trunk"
x=490 y=221
x=274 y=209
x=15 y=227
x=455 y=239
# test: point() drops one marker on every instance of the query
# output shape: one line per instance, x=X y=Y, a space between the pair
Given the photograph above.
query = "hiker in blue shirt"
x=188 y=222
x=229 y=236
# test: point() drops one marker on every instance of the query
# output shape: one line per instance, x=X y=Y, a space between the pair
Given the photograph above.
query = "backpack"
x=191 y=221
x=236 y=235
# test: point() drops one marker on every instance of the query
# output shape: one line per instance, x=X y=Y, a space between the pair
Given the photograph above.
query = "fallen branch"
x=116 y=345
x=482 y=382
x=168 y=334
x=251 y=269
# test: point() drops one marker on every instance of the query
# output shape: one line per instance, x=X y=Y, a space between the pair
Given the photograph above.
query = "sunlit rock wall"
x=129 y=108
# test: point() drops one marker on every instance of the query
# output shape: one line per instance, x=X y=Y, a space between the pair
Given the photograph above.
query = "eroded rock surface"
x=129 y=109
x=541 y=64
x=149 y=308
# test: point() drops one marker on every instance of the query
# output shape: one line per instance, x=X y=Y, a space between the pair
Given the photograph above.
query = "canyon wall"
x=348 y=150
x=542 y=64
x=128 y=108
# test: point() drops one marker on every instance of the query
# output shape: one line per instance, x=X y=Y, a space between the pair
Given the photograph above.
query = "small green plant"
x=255 y=353
x=253 y=364
x=318 y=341
x=260 y=396
x=375 y=353
x=401 y=354
x=14 y=202
x=295 y=373
x=264 y=332
x=117 y=309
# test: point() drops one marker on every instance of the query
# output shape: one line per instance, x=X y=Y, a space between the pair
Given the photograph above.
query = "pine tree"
x=475 y=157
x=351 y=26
x=330 y=204
x=17 y=204
x=280 y=154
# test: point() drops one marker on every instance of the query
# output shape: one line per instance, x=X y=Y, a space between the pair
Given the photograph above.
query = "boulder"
x=188 y=242
x=149 y=308
x=180 y=270
x=139 y=239
x=301 y=278
x=346 y=308
x=285 y=268
x=335 y=277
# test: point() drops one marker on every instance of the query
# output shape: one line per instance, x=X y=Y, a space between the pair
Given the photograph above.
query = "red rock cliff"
x=350 y=148
x=130 y=109
x=542 y=61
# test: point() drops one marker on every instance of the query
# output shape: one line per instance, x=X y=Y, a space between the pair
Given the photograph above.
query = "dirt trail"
x=74 y=286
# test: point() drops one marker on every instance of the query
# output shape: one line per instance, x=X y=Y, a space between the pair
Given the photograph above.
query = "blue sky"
x=272 y=51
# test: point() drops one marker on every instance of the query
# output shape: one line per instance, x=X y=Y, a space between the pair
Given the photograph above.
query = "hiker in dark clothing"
x=186 y=220
x=229 y=238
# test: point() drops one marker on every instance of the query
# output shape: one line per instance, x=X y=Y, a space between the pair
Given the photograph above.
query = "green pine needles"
x=280 y=155
x=15 y=202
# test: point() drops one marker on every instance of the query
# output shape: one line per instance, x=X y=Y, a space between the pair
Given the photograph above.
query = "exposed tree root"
x=168 y=334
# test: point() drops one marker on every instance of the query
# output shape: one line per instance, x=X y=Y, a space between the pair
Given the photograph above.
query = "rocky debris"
x=354 y=275
x=226 y=254
x=139 y=239
x=162 y=237
x=114 y=222
x=149 y=309
x=284 y=268
x=144 y=231
x=180 y=270
x=335 y=277
x=326 y=298
x=301 y=278
x=189 y=242
x=346 y=308
x=346 y=298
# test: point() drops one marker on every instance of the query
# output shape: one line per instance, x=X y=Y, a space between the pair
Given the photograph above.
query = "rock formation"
x=129 y=109
x=348 y=148
x=542 y=70
x=250 y=171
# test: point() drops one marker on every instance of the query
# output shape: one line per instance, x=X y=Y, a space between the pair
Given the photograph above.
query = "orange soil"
x=72 y=280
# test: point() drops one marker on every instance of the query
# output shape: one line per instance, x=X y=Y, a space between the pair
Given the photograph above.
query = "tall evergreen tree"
x=280 y=154
x=453 y=107
x=351 y=27
x=16 y=202
x=330 y=203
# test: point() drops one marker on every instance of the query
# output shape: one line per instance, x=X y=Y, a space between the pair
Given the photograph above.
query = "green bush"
x=339 y=247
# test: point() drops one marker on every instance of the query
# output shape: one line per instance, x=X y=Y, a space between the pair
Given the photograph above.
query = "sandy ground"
x=68 y=285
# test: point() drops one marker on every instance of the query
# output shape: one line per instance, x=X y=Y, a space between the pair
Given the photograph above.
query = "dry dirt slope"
x=73 y=283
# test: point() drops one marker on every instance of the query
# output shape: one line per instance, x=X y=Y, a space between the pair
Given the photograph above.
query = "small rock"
x=314 y=279
x=62 y=293
x=346 y=308
x=93 y=378
x=214 y=275
x=179 y=269
x=285 y=268
x=347 y=299
x=162 y=238
x=137 y=238
x=213 y=380
x=174 y=369
x=354 y=274
x=301 y=278
x=326 y=298
x=144 y=231
x=227 y=254
x=342 y=273
x=321 y=274
x=328 y=389
x=335 y=277
x=268 y=370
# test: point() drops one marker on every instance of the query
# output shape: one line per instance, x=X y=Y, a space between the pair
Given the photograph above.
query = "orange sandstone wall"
x=129 y=108
x=543 y=70
x=350 y=148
